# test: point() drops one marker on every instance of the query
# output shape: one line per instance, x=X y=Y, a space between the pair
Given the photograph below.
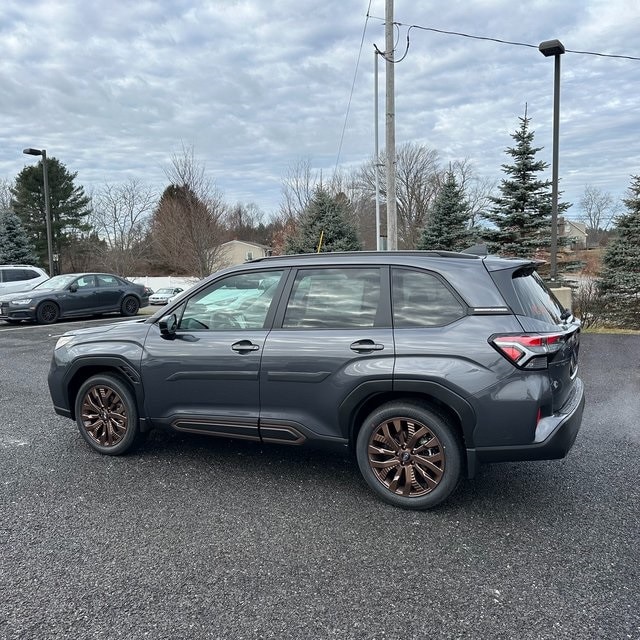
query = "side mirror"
x=73 y=287
x=168 y=325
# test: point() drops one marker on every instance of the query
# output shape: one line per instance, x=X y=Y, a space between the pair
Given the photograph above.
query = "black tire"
x=107 y=415
x=47 y=312
x=130 y=306
x=409 y=455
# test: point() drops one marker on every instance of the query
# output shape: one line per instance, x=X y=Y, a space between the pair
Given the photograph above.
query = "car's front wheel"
x=409 y=455
x=130 y=306
x=107 y=415
x=47 y=312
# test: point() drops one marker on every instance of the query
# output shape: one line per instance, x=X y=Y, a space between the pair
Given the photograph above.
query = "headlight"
x=21 y=301
x=62 y=341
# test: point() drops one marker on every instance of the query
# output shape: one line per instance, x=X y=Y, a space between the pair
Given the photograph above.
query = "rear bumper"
x=554 y=435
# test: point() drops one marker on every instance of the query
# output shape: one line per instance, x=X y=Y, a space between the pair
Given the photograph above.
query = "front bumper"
x=13 y=312
x=554 y=435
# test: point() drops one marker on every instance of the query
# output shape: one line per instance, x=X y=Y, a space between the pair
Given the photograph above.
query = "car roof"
x=467 y=272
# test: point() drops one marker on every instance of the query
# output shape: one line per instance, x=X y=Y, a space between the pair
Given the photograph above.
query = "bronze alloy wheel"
x=104 y=415
x=406 y=457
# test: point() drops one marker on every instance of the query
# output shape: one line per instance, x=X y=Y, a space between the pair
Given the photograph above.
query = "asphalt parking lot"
x=204 y=538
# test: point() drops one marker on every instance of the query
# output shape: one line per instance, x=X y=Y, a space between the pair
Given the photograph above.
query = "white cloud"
x=113 y=90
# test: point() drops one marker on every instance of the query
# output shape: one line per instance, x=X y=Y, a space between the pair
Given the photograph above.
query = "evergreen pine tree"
x=448 y=226
x=324 y=224
x=68 y=204
x=620 y=277
x=522 y=211
x=14 y=244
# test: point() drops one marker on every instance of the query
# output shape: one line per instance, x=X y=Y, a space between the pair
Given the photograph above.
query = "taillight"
x=528 y=350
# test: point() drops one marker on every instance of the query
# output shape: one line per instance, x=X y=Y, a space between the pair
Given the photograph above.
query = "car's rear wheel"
x=130 y=306
x=409 y=455
x=47 y=312
x=107 y=415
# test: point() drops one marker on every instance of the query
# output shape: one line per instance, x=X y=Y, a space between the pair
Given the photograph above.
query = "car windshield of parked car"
x=57 y=283
x=165 y=291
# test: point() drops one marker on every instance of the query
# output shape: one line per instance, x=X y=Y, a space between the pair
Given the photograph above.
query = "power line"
x=500 y=41
x=353 y=84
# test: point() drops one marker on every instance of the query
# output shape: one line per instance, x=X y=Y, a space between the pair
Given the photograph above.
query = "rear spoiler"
x=477 y=250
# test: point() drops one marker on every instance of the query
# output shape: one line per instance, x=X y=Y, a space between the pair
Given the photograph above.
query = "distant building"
x=574 y=234
x=239 y=251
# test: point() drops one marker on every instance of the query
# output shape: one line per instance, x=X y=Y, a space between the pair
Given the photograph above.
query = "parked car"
x=72 y=295
x=161 y=296
x=20 y=277
x=424 y=364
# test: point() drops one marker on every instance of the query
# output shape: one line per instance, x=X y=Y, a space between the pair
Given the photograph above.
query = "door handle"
x=244 y=346
x=366 y=345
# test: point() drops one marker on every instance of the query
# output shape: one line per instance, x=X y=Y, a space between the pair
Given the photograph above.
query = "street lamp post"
x=47 y=206
x=554 y=48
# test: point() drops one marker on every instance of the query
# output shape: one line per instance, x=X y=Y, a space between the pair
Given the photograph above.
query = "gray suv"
x=424 y=364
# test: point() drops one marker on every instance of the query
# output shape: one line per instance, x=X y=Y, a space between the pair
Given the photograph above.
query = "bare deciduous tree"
x=598 y=210
x=297 y=189
x=5 y=194
x=120 y=216
x=477 y=190
x=418 y=178
x=187 y=225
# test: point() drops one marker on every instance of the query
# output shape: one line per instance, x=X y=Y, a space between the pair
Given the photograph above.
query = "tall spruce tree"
x=448 y=219
x=620 y=278
x=15 y=247
x=522 y=211
x=68 y=203
x=324 y=226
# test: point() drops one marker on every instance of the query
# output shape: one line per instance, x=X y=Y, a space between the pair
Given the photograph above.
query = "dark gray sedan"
x=73 y=295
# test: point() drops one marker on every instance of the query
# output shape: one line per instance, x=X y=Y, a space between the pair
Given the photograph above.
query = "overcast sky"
x=113 y=89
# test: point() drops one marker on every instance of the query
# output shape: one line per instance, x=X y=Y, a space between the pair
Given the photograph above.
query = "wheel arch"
x=430 y=394
x=114 y=366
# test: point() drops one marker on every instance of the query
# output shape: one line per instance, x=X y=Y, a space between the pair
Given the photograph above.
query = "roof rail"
x=328 y=254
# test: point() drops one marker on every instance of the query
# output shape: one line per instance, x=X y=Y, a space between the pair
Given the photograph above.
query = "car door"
x=79 y=296
x=205 y=377
x=108 y=293
x=331 y=345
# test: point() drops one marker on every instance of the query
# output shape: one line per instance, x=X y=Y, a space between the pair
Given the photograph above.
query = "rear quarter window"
x=536 y=300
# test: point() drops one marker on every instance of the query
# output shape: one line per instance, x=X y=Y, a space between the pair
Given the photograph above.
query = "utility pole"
x=392 y=216
x=376 y=162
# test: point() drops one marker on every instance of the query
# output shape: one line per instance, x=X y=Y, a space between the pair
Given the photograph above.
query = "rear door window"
x=18 y=275
x=107 y=281
x=334 y=298
x=421 y=299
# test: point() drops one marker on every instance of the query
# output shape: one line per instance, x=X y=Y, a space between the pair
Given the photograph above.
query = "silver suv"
x=20 y=277
x=423 y=364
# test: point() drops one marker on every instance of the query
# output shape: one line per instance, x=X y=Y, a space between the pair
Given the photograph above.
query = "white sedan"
x=161 y=296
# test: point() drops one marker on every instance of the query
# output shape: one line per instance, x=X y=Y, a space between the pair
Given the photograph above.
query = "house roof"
x=245 y=242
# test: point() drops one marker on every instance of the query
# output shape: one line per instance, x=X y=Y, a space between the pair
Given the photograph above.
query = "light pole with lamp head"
x=47 y=207
x=554 y=48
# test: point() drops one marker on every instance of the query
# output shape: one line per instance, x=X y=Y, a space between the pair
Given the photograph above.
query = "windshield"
x=57 y=282
x=164 y=291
